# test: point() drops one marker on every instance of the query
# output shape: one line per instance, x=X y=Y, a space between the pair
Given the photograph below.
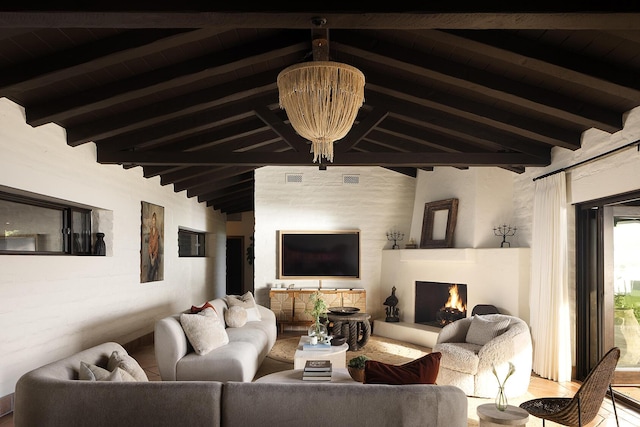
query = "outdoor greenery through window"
x=191 y=243
x=34 y=226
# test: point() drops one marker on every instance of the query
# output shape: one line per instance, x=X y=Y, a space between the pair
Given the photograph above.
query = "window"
x=191 y=243
x=38 y=226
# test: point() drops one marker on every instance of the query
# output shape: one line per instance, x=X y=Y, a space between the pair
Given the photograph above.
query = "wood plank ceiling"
x=189 y=94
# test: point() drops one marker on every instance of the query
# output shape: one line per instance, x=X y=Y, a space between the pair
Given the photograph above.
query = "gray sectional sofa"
x=53 y=396
x=238 y=360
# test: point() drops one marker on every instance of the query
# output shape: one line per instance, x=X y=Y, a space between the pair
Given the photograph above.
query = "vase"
x=501 y=400
x=317 y=329
x=100 y=248
x=356 y=374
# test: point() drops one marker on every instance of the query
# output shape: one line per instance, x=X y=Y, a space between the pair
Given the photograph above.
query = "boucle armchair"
x=470 y=348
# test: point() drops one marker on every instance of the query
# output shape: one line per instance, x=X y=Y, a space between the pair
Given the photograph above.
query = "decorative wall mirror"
x=439 y=223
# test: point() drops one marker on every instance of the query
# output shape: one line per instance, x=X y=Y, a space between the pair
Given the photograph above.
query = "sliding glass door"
x=608 y=288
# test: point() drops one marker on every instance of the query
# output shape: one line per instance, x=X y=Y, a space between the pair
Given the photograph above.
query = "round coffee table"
x=489 y=416
x=337 y=355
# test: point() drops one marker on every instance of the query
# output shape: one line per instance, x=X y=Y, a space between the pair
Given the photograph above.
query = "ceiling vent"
x=351 y=179
x=292 y=178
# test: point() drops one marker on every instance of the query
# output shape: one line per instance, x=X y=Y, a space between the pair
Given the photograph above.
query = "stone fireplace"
x=437 y=304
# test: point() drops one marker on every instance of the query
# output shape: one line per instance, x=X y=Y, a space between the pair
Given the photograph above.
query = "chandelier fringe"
x=321 y=99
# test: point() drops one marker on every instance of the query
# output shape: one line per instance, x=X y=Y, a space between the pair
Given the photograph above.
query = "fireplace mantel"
x=496 y=276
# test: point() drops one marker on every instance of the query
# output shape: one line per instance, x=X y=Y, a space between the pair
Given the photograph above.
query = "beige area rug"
x=378 y=348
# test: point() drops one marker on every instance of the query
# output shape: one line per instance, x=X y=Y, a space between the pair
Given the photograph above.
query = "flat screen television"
x=319 y=254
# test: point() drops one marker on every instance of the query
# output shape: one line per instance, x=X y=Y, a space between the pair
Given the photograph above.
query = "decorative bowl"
x=338 y=340
x=356 y=374
x=343 y=310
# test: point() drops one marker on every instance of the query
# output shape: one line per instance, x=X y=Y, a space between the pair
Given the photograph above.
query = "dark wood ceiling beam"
x=245 y=181
x=233 y=196
x=234 y=190
x=207 y=66
x=79 y=60
x=248 y=137
x=390 y=141
x=362 y=129
x=471 y=132
x=172 y=131
x=412 y=172
x=245 y=205
x=546 y=59
x=485 y=113
x=544 y=102
x=533 y=16
x=151 y=171
x=204 y=183
x=260 y=88
x=258 y=159
x=285 y=131
x=180 y=174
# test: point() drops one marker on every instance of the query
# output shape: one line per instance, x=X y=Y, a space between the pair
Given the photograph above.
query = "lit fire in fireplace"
x=454 y=308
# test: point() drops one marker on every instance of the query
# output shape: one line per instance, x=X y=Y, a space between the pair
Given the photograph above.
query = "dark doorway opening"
x=235 y=265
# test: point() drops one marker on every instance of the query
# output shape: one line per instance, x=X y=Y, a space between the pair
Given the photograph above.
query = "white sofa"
x=238 y=360
x=52 y=396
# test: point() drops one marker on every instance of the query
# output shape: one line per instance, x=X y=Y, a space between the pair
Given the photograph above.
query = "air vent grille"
x=351 y=179
x=293 y=178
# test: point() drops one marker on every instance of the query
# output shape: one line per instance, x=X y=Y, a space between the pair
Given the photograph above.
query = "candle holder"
x=395 y=236
x=505 y=231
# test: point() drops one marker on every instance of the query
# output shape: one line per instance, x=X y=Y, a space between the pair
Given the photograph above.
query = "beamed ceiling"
x=189 y=94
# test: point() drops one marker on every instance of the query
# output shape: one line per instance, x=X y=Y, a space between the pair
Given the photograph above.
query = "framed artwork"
x=439 y=223
x=152 y=243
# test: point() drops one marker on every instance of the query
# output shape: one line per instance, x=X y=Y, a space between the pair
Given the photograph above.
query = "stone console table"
x=355 y=327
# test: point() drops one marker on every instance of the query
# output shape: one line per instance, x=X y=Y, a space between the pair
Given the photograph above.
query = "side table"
x=355 y=327
x=489 y=416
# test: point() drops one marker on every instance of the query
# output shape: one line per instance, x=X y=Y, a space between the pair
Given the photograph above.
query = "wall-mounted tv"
x=318 y=254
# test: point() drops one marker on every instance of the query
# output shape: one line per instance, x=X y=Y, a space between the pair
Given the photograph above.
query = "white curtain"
x=549 y=299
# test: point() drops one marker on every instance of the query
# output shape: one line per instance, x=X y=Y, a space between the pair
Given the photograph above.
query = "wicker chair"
x=585 y=404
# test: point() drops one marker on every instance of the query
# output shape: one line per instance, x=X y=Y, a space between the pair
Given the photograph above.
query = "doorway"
x=608 y=288
x=235 y=265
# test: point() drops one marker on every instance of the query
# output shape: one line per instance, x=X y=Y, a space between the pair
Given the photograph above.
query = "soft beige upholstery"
x=469 y=366
x=238 y=360
x=52 y=396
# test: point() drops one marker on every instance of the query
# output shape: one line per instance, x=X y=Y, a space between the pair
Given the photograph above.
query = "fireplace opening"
x=438 y=304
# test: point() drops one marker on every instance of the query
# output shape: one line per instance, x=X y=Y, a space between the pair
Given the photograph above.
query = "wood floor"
x=539 y=387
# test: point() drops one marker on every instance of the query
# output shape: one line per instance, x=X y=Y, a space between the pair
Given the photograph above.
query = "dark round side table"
x=355 y=327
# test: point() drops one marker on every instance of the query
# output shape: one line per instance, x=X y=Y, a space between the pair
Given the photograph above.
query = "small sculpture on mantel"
x=392 y=311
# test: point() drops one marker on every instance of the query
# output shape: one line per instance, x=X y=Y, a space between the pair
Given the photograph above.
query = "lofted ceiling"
x=189 y=94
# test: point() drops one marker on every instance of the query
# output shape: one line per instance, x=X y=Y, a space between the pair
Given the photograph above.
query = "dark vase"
x=100 y=248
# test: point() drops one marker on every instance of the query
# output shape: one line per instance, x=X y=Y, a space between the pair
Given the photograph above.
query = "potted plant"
x=318 y=308
x=356 y=367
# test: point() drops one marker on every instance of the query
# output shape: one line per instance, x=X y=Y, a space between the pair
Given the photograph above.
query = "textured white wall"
x=484 y=201
x=53 y=306
x=381 y=201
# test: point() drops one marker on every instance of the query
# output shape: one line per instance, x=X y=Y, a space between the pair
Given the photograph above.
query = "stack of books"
x=317 y=370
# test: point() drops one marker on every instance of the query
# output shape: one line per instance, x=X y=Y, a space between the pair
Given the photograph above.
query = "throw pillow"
x=89 y=372
x=195 y=309
x=483 y=330
x=235 y=317
x=128 y=364
x=205 y=331
x=420 y=371
x=247 y=302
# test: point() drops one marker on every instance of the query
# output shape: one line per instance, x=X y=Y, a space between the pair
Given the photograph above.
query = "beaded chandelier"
x=321 y=99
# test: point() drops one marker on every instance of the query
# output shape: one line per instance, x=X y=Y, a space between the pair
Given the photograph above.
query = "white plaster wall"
x=497 y=276
x=383 y=200
x=53 y=306
x=484 y=201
